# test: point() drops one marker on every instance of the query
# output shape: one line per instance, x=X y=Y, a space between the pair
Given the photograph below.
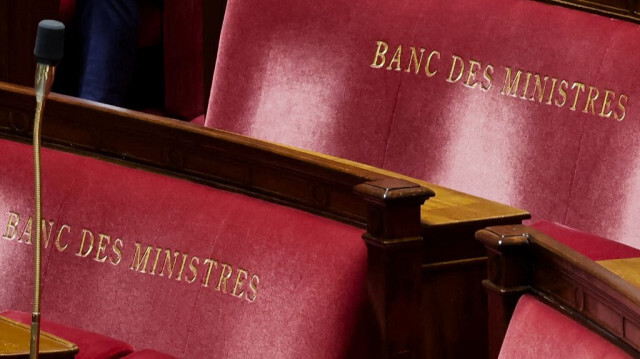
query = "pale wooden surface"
x=14 y=342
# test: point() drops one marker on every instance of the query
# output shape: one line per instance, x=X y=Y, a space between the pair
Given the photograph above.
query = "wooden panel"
x=621 y=9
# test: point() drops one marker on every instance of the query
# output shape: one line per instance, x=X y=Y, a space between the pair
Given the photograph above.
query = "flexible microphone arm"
x=48 y=51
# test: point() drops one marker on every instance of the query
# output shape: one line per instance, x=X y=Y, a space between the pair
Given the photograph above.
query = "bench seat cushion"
x=91 y=345
x=538 y=331
x=594 y=247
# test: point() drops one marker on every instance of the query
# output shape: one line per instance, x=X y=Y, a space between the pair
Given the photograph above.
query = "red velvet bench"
x=547 y=300
x=521 y=102
x=151 y=242
x=451 y=262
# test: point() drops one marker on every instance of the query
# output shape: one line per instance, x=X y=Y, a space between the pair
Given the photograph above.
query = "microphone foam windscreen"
x=49 y=42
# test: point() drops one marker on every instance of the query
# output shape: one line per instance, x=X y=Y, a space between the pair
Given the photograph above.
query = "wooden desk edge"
x=61 y=348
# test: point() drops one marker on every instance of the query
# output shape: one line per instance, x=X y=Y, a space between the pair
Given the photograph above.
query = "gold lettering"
x=427 y=68
x=526 y=87
x=46 y=233
x=155 y=262
x=253 y=284
x=138 y=258
x=623 y=98
x=414 y=60
x=563 y=93
x=167 y=259
x=26 y=231
x=222 y=282
x=553 y=87
x=580 y=87
x=539 y=87
x=473 y=67
x=102 y=248
x=606 y=104
x=239 y=282
x=12 y=226
x=59 y=245
x=590 y=100
x=453 y=68
x=212 y=263
x=488 y=75
x=510 y=88
x=84 y=236
x=184 y=260
x=380 y=55
x=117 y=249
x=194 y=270
x=396 y=59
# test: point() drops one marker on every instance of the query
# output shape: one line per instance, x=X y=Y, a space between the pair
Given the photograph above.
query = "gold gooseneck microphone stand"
x=48 y=51
x=44 y=80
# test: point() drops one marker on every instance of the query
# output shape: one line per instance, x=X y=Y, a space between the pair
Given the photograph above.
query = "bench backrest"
x=212 y=272
x=521 y=102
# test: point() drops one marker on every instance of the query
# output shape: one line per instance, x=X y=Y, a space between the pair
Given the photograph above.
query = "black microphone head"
x=49 y=42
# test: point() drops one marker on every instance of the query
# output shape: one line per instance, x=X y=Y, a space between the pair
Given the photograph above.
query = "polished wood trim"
x=522 y=259
x=186 y=150
x=449 y=265
x=620 y=9
x=394 y=246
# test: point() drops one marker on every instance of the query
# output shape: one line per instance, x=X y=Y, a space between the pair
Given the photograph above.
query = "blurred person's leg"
x=108 y=35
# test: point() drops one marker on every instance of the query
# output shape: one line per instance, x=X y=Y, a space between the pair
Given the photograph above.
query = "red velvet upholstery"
x=91 y=345
x=295 y=284
x=148 y=354
x=538 y=331
x=305 y=73
x=594 y=247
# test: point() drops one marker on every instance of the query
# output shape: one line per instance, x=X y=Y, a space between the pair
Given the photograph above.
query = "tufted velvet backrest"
x=521 y=102
x=182 y=268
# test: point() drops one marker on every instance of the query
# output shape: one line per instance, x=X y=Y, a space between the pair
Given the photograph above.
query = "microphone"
x=48 y=51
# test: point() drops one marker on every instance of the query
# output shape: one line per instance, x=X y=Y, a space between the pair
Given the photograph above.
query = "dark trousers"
x=108 y=35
